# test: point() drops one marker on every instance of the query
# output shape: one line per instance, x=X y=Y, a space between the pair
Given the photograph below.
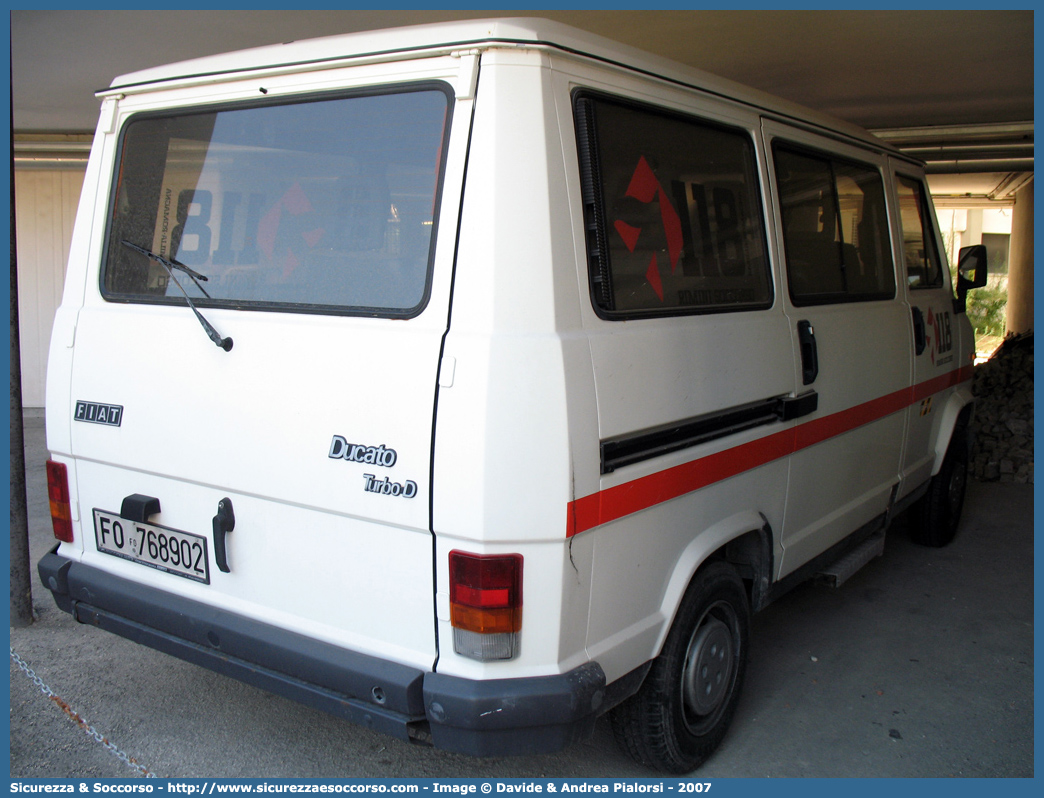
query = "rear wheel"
x=937 y=514
x=684 y=707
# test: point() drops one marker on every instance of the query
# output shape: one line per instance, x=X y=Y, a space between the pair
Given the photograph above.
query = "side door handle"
x=920 y=331
x=809 y=353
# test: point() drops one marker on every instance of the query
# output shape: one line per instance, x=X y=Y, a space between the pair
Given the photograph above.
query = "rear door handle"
x=809 y=352
x=224 y=522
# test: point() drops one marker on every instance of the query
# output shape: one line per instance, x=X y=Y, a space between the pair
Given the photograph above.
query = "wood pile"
x=1003 y=426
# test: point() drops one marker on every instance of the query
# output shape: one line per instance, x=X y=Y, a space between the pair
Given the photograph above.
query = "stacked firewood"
x=1003 y=426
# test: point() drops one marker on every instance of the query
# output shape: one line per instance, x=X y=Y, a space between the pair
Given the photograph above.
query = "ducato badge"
x=340 y=449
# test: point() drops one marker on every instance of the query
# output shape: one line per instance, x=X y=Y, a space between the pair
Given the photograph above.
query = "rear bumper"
x=483 y=718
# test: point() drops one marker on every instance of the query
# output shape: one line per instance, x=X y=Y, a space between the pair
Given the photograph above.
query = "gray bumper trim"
x=495 y=717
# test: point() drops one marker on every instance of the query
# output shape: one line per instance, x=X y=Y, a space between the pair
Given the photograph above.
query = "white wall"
x=963 y=227
x=45 y=208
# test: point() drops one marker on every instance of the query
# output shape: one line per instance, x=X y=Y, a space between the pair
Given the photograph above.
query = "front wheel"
x=937 y=513
x=683 y=709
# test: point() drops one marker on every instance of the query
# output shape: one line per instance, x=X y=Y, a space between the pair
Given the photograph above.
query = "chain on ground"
x=87 y=728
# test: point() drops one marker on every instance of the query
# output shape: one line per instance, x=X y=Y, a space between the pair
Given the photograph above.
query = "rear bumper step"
x=485 y=718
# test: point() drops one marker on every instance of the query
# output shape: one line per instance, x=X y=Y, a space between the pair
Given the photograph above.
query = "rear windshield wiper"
x=170 y=265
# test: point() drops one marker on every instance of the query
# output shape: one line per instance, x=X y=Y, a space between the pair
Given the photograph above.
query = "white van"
x=470 y=381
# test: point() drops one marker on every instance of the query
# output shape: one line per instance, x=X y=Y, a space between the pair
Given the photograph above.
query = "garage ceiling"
x=962 y=79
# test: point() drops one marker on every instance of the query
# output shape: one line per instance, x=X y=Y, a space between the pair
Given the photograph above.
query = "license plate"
x=165 y=549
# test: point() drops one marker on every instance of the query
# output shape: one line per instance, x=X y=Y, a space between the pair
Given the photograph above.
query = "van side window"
x=921 y=256
x=325 y=206
x=835 y=228
x=672 y=209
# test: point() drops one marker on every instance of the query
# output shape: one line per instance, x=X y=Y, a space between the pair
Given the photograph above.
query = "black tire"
x=937 y=513
x=683 y=709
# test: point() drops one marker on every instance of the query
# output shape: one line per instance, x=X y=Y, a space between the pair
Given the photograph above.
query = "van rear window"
x=327 y=205
x=673 y=215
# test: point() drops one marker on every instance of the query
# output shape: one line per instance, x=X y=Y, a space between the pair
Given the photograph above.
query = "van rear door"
x=304 y=229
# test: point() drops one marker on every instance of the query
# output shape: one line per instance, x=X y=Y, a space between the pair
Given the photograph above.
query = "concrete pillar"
x=1019 y=317
x=973 y=229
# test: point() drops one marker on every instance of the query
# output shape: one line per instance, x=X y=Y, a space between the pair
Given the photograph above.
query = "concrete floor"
x=920 y=665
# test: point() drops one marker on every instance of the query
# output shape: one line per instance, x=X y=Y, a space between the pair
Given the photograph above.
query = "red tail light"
x=486 y=604
x=58 y=494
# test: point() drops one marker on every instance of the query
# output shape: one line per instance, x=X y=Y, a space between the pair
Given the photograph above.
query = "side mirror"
x=971 y=267
x=971 y=273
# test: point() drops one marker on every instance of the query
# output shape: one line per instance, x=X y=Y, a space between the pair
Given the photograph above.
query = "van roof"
x=435 y=38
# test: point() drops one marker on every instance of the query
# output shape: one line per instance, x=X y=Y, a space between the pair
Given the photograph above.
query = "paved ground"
x=920 y=665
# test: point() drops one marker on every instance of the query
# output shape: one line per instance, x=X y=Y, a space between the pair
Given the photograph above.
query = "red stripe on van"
x=812 y=432
x=640 y=494
x=932 y=387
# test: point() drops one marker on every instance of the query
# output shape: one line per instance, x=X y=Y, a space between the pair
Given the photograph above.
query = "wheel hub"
x=708 y=669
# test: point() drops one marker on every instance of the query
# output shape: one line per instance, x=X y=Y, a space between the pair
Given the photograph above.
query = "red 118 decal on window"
x=645 y=188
